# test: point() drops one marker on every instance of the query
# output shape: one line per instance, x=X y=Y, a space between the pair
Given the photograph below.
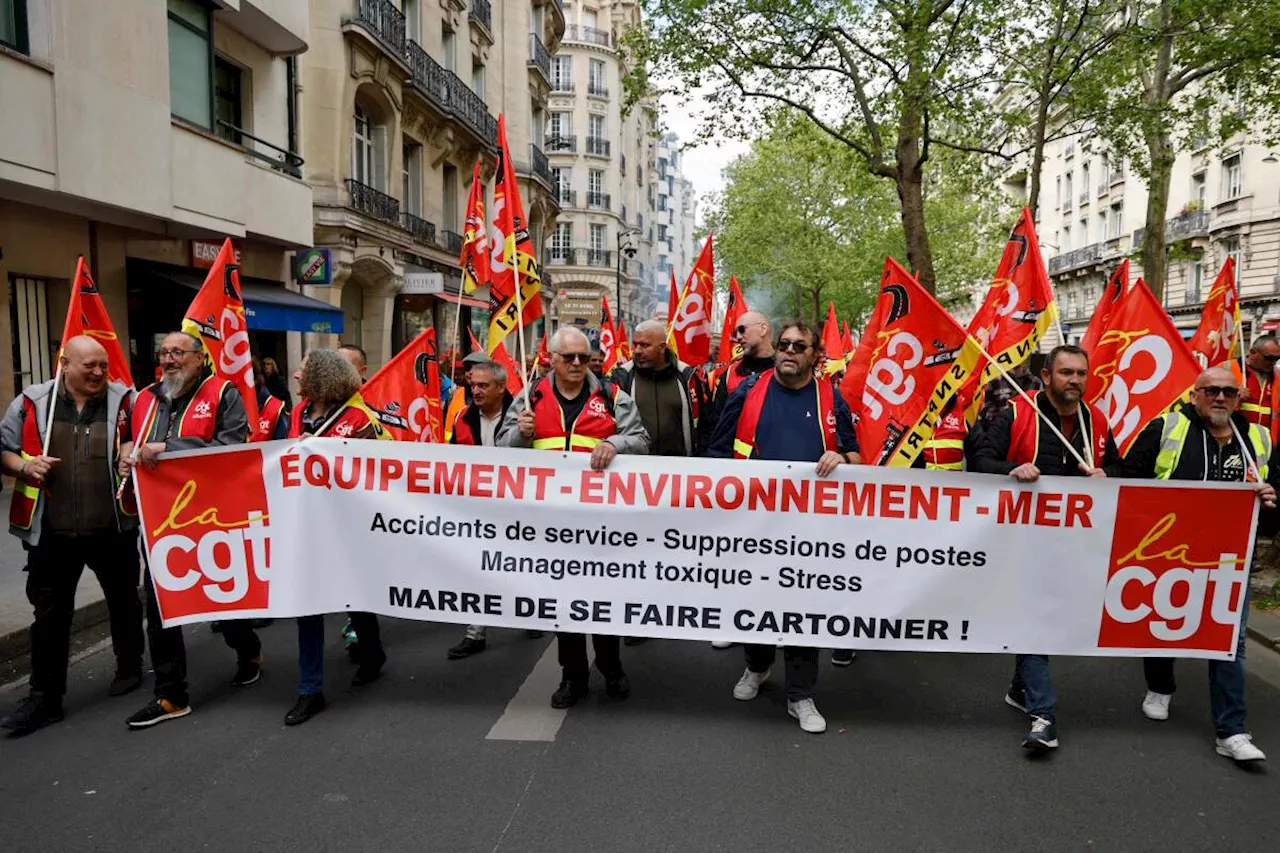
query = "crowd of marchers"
x=71 y=444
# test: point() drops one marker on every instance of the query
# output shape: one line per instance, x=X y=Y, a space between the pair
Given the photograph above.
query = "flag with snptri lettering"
x=86 y=315
x=608 y=337
x=216 y=318
x=832 y=344
x=515 y=376
x=1140 y=367
x=404 y=395
x=911 y=360
x=475 y=238
x=1114 y=291
x=1217 y=339
x=690 y=328
x=729 y=351
x=512 y=254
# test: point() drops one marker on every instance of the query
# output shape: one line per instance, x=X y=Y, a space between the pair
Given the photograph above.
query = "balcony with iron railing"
x=581 y=257
x=588 y=35
x=1074 y=259
x=280 y=159
x=1104 y=187
x=420 y=229
x=482 y=14
x=539 y=59
x=1083 y=198
x=562 y=144
x=447 y=93
x=384 y=22
x=598 y=145
x=452 y=242
x=370 y=202
x=540 y=167
x=562 y=86
x=566 y=197
x=597 y=90
x=1068 y=204
x=1194 y=223
x=598 y=200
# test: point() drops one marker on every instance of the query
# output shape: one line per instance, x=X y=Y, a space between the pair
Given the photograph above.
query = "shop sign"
x=423 y=282
x=205 y=252
x=313 y=266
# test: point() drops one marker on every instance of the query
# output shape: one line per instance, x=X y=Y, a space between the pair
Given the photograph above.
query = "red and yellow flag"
x=673 y=300
x=1140 y=367
x=475 y=238
x=608 y=337
x=911 y=360
x=515 y=376
x=624 y=345
x=1115 y=290
x=832 y=344
x=216 y=318
x=729 y=351
x=1217 y=340
x=405 y=394
x=512 y=254
x=689 y=329
x=86 y=315
x=846 y=340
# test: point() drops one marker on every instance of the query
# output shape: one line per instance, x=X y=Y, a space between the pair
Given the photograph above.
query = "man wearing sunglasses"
x=788 y=414
x=755 y=335
x=1209 y=440
x=572 y=410
x=1261 y=390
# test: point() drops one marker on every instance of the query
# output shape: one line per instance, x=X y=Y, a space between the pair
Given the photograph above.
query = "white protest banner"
x=699 y=549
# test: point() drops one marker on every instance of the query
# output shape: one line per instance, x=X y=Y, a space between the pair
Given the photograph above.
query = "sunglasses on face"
x=793 y=346
x=575 y=357
x=1219 y=391
x=742 y=329
x=1271 y=359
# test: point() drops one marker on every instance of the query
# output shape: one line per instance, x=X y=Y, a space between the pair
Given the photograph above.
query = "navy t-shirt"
x=790 y=429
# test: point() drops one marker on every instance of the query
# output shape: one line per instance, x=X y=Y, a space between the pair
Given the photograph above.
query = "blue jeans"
x=1031 y=673
x=1226 y=682
x=311 y=655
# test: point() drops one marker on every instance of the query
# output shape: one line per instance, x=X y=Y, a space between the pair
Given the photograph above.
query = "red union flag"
x=624 y=345
x=1216 y=339
x=1140 y=367
x=729 y=351
x=690 y=327
x=405 y=394
x=832 y=343
x=1115 y=290
x=86 y=315
x=673 y=300
x=911 y=360
x=475 y=240
x=206 y=529
x=608 y=337
x=216 y=319
x=515 y=376
x=1170 y=586
x=512 y=253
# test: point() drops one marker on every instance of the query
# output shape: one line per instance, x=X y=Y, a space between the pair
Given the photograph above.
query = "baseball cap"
x=475 y=358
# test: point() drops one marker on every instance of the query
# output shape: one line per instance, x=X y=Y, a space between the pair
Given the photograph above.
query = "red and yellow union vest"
x=728 y=374
x=744 y=442
x=268 y=419
x=1024 y=436
x=594 y=424
x=26 y=493
x=457 y=405
x=355 y=417
x=1260 y=400
x=944 y=451
x=199 y=419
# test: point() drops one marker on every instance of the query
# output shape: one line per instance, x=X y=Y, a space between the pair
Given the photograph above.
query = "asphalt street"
x=920 y=755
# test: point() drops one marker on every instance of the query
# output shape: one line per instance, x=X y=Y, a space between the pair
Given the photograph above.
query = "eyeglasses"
x=742 y=328
x=575 y=357
x=1219 y=391
x=1270 y=359
x=175 y=354
x=793 y=346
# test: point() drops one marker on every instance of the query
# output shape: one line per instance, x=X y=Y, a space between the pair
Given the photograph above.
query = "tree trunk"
x=910 y=181
x=1154 y=261
x=1038 y=134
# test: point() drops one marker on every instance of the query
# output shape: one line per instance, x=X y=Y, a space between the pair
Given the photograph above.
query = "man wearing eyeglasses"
x=189 y=408
x=1209 y=440
x=788 y=414
x=755 y=335
x=572 y=410
x=1261 y=396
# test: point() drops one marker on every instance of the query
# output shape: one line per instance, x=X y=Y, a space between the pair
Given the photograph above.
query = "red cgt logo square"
x=1177 y=572
x=207 y=533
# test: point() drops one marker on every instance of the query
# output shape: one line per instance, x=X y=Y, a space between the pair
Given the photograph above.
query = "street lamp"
x=631 y=253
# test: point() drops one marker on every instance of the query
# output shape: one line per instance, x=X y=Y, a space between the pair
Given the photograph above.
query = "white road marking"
x=529 y=715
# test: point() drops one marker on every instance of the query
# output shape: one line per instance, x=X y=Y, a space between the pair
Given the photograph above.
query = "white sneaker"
x=720 y=644
x=807 y=713
x=1239 y=748
x=1156 y=706
x=749 y=684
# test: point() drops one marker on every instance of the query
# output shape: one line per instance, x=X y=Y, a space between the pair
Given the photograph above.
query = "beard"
x=173 y=385
x=1219 y=418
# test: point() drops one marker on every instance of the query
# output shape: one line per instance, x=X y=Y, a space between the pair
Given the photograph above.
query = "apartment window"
x=562 y=240
x=1199 y=188
x=190 y=62
x=589 y=18
x=448 y=49
x=1195 y=279
x=412 y=19
x=1084 y=179
x=477 y=79
x=1058 y=193
x=362 y=148
x=560 y=124
x=662 y=232
x=228 y=93
x=562 y=73
x=13 y=24
x=1117 y=220
x=596 y=125
x=596 y=78
x=1232 y=180
x=1102 y=226
x=1067 y=189
x=597 y=239
x=29 y=320
x=412 y=177
x=451 y=219
x=1066 y=238
x=1231 y=249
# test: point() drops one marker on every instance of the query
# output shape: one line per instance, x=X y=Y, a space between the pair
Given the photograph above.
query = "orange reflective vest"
x=944 y=451
x=744 y=441
x=594 y=424
x=1024 y=436
x=1261 y=400
x=268 y=419
x=199 y=419
x=457 y=404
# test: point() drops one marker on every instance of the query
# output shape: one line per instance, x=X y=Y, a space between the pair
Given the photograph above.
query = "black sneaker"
x=32 y=713
x=306 y=708
x=1016 y=698
x=157 y=712
x=635 y=641
x=842 y=657
x=1042 y=737
x=125 y=682
x=465 y=649
x=247 y=672
x=617 y=687
x=568 y=694
x=534 y=634
x=370 y=669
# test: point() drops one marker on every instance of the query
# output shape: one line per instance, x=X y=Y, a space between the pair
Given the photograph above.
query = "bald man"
x=64 y=511
x=755 y=335
x=1210 y=440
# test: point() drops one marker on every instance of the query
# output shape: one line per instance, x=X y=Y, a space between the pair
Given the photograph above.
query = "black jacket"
x=744 y=367
x=471 y=417
x=988 y=448
x=696 y=399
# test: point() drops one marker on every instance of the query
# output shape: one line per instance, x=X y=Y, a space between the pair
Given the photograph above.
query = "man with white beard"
x=1208 y=439
x=190 y=407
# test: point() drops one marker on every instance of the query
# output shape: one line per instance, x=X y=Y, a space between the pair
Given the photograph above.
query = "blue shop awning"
x=268 y=305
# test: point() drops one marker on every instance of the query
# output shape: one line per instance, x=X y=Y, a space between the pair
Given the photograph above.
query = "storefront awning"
x=268 y=306
x=461 y=300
